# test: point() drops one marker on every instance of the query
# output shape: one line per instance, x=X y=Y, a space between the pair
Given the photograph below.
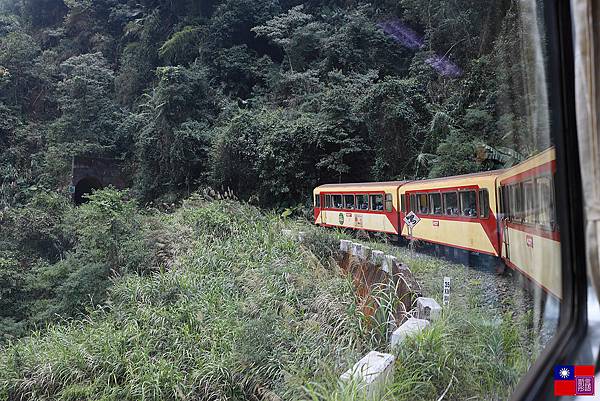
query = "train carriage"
x=530 y=240
x=457 y=211
x=508 y=214
x=371 y=206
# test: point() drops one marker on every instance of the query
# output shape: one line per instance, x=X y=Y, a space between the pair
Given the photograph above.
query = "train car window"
x=402 y=205
x=327 y=201
x=528 y=202
x=318 y=200
x=468 y=203
x=435 y=202
x=388 y=202
x=545 y=206
x=484 y=204
x=503 y=193
x=423 y=203
x=349 y=202
x=516 y=202
x=336 y=201
x=376 y=202
x=413 y=203
x=362 y=202
x=451 y=203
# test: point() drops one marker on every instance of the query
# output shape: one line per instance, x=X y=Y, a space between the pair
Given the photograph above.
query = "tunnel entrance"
x=84 y=187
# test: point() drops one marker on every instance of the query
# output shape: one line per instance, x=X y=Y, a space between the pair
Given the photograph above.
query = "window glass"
x=484 y=204
x=528 y=202
x=423 y=203
x=376 y=202
x=317 y=200
x=504 y=208
x=349 y=201
x=337 y=201
x=435 y=202
x=264 y=100
x=481 y=155
x=388 y=202
x=362 y=202
x=545 y=202
x=451 y=203
x=516 y=202
x=468 y=203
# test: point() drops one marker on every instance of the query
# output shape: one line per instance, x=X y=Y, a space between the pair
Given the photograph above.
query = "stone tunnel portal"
x=85 y=187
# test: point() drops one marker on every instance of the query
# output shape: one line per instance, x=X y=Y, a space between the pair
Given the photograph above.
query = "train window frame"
x=432 y=205
x=402 y=204
x=318 y=201
x=419 y=196
x=515 y=205
x=334 y=204
x=529 y=202
x=412 y=202
x=460 y=202
x=328 y=201
x=389 y=202
x=550 y=203
x=444 y=197
x=503 y=195
x=537 y=384
x=483 y=207
x=357 y=203
x=373 y=205
x=344 y=197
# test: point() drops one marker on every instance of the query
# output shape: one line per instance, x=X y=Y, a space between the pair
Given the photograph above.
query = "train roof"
x=480 y=174
x=545 y=155
x=359 y=185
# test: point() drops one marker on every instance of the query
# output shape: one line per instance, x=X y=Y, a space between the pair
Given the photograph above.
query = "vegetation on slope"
x=234 y=311
x=266 y=97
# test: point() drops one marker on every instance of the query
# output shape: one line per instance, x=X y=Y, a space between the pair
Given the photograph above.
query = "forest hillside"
x=266 y=97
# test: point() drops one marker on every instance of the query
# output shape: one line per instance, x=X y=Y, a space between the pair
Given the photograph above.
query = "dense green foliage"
x=268 y=98
x=264 y=99
x=242 y=312
x=56 y=260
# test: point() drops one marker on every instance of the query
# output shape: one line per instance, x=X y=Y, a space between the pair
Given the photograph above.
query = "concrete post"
x=366 y=252
x=388 y=263
x=345 y=245
x=356 y=249
x=376 y=257
x=372 y=373
x=410 y=327
x=428 y=308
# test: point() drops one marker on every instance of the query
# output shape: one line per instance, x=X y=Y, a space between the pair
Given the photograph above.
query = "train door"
x=322 y=214
x=504 y=207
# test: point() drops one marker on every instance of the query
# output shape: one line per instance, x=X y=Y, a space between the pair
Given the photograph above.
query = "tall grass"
x=242 y=312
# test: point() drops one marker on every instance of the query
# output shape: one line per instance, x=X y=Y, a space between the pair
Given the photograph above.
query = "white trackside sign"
x=411 y=219
x=446 y=291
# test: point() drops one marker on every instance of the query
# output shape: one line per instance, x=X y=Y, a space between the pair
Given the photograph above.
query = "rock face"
x=372 y=373
x=372 y=269
x=410 y=327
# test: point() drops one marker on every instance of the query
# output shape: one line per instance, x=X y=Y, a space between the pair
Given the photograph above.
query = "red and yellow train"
x=508 y=214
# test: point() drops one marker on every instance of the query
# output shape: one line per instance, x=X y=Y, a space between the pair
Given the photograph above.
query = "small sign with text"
x=446 y=292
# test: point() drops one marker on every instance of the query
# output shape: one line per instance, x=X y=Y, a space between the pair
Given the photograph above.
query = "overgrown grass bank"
x=241 y=313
